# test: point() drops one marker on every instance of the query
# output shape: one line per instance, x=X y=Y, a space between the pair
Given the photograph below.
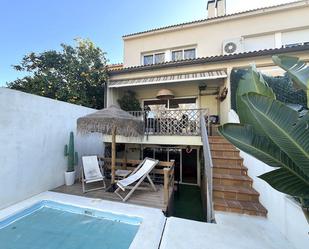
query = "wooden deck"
x=140 y=197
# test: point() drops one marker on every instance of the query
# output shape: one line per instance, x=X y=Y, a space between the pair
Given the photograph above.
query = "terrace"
x=178 y=122
x=163 y=176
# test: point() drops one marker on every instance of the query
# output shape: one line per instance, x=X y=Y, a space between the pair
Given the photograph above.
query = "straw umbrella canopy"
x=111 y=121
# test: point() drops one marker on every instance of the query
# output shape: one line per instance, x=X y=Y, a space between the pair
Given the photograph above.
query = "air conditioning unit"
x=233 y=46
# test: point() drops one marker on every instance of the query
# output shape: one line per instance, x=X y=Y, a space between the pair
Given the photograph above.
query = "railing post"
x=173 y=173
x=166 y=186
x=208 y=170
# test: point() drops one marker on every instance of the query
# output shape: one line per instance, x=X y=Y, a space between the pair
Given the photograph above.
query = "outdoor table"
x=122 y=173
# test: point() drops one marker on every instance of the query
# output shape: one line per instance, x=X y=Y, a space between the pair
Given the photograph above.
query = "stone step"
x=238 y=193
x=231 y=170
x=221 y=146
x=228 y=161
x=222 y=152
x=241 y=207
x=232 y=180
x=217 y=139
x=233 y=148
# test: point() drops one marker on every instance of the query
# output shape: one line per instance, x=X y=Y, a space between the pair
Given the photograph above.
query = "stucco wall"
x=33 y=132
x=264 y=63
x=283 y=211
x=208 y=36
x=180 y=90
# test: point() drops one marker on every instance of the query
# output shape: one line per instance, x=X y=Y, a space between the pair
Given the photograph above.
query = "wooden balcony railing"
x=172 y=122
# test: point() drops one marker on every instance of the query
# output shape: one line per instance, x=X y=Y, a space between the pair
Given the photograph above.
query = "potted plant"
x=69 y=152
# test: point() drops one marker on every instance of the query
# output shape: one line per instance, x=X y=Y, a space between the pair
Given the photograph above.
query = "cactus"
x=70 y=153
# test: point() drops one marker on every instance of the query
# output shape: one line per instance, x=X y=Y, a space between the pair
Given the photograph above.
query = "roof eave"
x=213 y=59
x=227 y=17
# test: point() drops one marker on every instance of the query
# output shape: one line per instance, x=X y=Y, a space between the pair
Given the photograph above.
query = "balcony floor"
x=139 y=197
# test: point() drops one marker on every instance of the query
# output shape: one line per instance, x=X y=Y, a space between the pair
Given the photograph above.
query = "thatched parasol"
x=111 y=121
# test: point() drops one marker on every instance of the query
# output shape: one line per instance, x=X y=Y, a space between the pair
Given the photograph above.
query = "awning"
x=218 y=74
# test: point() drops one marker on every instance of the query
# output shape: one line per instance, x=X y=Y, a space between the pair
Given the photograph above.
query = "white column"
x=278 y=40
x=168 y=55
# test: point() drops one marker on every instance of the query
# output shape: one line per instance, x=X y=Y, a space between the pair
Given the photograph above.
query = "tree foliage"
x=129 y=102
x=281 y=85
x=75 y=74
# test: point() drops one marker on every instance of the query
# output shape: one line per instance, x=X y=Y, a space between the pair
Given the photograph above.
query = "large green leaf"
x=284 y=127
x=284 y=181
x=262 y=148
x=298 y=70
x=252 y=81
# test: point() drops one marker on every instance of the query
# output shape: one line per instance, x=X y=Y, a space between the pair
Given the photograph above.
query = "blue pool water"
x=50 y=225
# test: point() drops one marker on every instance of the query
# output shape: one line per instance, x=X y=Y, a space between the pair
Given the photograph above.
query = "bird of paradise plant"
x=272 y=131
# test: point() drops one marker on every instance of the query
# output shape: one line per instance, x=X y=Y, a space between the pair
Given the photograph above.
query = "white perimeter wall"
x=285 y=213
x=33 y=132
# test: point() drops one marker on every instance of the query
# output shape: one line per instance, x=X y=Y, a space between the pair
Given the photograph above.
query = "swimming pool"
x=52 y=225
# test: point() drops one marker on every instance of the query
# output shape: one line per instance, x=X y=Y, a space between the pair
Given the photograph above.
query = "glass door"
x=186 y=166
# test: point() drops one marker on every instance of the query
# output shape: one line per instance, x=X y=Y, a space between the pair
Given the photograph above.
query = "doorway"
x=186 y=161
x=189 y=166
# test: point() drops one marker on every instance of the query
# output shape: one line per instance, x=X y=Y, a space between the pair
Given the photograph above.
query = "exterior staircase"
x=232 y=187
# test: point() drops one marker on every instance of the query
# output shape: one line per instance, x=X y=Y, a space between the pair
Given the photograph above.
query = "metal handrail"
x=208 y=167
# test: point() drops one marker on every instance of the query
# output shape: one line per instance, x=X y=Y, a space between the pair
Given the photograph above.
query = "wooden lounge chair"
x=138 y=175
x=91 y=172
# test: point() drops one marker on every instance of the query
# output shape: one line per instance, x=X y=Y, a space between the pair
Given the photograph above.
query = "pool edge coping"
x=151 y=227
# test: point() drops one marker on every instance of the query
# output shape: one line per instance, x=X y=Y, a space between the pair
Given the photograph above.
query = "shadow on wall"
x=87 y=145
x=33 y=132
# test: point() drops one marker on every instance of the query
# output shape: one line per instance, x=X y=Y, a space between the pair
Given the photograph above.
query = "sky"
x=40 y=25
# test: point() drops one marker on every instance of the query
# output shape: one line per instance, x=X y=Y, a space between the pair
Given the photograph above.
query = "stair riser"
x=217 y=139
x=214 y=146
x=230 y=171
x=232 y=182
x=235 y=196
x=239 y=211
x=227 y=162
x=225 y=153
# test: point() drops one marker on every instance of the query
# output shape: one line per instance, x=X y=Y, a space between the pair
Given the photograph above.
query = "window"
x=184 y=54
x=154 y=58
x=177 y=55
x=189 y=54
x=167 y=55
x=148 y=59
x=161 y=105
x=293 y=45
x=159 y=58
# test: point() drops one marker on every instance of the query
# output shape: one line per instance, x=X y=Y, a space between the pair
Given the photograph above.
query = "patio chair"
x=91 y=172
x=138 y=175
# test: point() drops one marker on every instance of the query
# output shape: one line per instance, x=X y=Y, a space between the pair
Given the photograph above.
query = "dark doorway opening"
x=189 y=166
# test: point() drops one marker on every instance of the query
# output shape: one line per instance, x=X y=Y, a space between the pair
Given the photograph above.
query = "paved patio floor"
x=233 y=232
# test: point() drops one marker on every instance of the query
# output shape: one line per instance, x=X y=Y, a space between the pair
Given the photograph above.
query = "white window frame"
x=168 y=53
x=183 y=52
x=184 y=97
x=153 y=54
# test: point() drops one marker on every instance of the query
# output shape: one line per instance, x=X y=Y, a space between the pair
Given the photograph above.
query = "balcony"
x=178 y=122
